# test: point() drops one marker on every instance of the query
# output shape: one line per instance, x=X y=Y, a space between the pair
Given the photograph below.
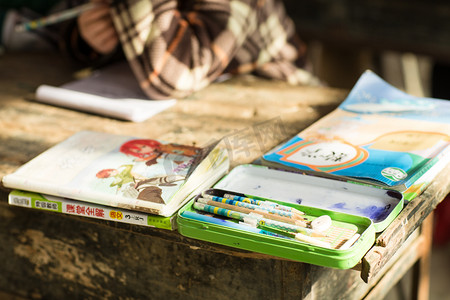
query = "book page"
x=113 y=92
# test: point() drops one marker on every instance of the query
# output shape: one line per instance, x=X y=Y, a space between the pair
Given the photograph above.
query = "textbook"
x=131 y=173
x=379 y=135
x=112 y=91
x=89 y=210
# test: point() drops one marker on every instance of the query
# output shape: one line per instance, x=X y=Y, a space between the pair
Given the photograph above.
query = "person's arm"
x=97 y=29
x=176 y=50
x=176 y=47
x=91 y=38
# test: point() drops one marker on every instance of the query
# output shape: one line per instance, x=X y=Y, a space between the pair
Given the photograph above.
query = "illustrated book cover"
x=121 y=171
x=379 y=135
x=89 y=210
x=112 y=91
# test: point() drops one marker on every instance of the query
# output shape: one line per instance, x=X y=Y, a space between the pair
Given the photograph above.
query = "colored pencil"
x=246 y=210
x=268 y=209
x=254 y=218
x=262 y=203
x=212 y=220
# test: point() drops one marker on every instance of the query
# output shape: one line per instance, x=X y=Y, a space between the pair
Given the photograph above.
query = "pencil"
x=350 y=242
x=256 y=218
x=262 y=203
x=231 y=224
x=247 y=210
x=268 y=209
x=308 y=239
x=55 y=18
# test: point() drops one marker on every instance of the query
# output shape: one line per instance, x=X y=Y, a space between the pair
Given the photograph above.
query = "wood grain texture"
x=52 y=257
x=409 y=219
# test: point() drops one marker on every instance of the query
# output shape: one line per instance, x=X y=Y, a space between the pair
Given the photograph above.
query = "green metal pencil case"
x=217 y=216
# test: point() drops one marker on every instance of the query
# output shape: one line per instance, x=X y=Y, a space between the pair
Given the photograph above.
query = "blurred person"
x=176 y=47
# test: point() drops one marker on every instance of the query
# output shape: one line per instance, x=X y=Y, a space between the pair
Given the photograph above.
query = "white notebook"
x=112 y=92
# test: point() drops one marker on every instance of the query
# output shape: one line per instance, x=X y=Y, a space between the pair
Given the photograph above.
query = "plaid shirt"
x=176 y=47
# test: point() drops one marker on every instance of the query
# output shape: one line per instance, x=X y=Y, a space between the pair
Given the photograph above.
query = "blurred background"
x=407 y=42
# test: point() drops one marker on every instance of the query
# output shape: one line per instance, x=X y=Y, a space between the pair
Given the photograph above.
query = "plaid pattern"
x=176 y=47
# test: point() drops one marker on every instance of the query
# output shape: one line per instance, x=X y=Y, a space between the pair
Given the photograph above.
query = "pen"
x=55 y=18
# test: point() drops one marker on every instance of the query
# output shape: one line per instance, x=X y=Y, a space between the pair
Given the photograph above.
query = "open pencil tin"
x=354 y=209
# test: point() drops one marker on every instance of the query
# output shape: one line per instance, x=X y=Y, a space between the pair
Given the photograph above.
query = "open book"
x=136 y=174
x=112 y=91
x=379 y=135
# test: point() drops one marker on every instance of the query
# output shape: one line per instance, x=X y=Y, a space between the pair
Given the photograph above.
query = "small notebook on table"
x=112 y=92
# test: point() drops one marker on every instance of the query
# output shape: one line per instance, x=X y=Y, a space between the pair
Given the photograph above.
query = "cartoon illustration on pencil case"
x=154 y=166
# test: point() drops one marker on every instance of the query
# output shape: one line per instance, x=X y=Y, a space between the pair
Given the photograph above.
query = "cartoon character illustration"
x=142 y=181
x=140 y=188
x=161 y=181
x=149 y=189
x=121 y=175
x=150 y=150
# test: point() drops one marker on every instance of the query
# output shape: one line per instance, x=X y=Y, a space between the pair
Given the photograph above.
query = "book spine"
x=441 y=158
x=423 y=181
x=13 y=181
x=83 y=209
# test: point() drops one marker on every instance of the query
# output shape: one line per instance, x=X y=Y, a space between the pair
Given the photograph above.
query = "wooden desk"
x=47 y=255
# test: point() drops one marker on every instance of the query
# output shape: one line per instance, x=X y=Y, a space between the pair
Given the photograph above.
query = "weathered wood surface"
x=232 y=108
x=409 y=219
x=49 y=256
x=403 y=260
